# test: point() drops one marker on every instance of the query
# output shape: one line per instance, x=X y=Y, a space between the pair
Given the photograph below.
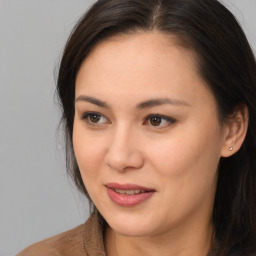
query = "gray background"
x=36 y=198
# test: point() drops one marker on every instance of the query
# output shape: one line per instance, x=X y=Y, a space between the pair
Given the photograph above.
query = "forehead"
x=149 y=47
x=141 y=63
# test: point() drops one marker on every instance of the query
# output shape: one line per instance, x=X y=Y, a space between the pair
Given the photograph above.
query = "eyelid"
x=168 y=119
x=87 y=114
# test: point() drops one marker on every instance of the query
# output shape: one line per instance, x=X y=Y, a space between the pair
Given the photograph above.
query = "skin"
x=178 y=158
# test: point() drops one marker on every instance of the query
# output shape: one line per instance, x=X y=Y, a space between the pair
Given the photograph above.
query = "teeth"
x=129 y=192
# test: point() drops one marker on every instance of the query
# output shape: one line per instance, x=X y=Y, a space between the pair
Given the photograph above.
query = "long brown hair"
x=227 y=64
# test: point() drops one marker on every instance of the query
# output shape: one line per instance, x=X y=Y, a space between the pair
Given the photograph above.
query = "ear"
x=235 y=131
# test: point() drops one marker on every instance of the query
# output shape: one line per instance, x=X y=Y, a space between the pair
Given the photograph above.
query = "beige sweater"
x=84 y=240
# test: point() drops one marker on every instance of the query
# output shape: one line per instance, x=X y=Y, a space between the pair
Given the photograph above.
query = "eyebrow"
x=161 y=101
x=143 y=105
x=92 y=100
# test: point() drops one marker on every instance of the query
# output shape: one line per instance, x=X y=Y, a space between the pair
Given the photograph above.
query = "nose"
x=123 y=152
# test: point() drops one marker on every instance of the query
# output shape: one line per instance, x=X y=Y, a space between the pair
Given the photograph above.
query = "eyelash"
x=86 y=116
x=169 y=120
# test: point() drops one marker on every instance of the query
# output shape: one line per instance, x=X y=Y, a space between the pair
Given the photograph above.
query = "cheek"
x=186 y=169
x=89 y=152
x=188 y=156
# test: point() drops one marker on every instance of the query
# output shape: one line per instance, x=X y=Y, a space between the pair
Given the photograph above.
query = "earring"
x=231 y=148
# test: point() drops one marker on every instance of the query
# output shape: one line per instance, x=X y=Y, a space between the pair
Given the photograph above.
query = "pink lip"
x=128 y=200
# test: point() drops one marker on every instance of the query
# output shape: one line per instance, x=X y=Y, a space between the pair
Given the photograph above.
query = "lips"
x=129 y=192
x=127 y=195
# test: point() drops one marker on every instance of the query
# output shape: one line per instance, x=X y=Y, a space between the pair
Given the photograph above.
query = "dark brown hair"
x=227 y=64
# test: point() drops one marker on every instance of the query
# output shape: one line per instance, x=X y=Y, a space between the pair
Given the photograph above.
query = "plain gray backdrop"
x=36 y=198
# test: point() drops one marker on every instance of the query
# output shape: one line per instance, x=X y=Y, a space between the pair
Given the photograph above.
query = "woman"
x=158 y=100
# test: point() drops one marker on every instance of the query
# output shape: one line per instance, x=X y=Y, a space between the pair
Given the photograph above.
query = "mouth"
x=129 y=192
x=127 y=195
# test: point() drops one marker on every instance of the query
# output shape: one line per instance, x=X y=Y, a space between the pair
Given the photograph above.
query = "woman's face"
x=146 y=135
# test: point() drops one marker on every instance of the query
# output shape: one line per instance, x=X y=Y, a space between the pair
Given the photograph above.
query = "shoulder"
x=57 y=245
x=85 y=239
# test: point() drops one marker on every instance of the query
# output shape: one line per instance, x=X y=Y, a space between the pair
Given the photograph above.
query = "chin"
x=131 y=226
x=130 y=231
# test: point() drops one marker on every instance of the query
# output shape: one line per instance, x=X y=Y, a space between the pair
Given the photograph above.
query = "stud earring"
x=231 y=148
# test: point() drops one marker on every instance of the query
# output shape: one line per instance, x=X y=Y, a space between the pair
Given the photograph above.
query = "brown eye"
x=94 y=118
x=155 y=121
x=159 y=121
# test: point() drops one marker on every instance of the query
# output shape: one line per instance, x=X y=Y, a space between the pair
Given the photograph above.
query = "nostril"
x=121 y=161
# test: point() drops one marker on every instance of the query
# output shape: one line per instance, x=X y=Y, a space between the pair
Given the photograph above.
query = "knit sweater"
x=84 y=240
